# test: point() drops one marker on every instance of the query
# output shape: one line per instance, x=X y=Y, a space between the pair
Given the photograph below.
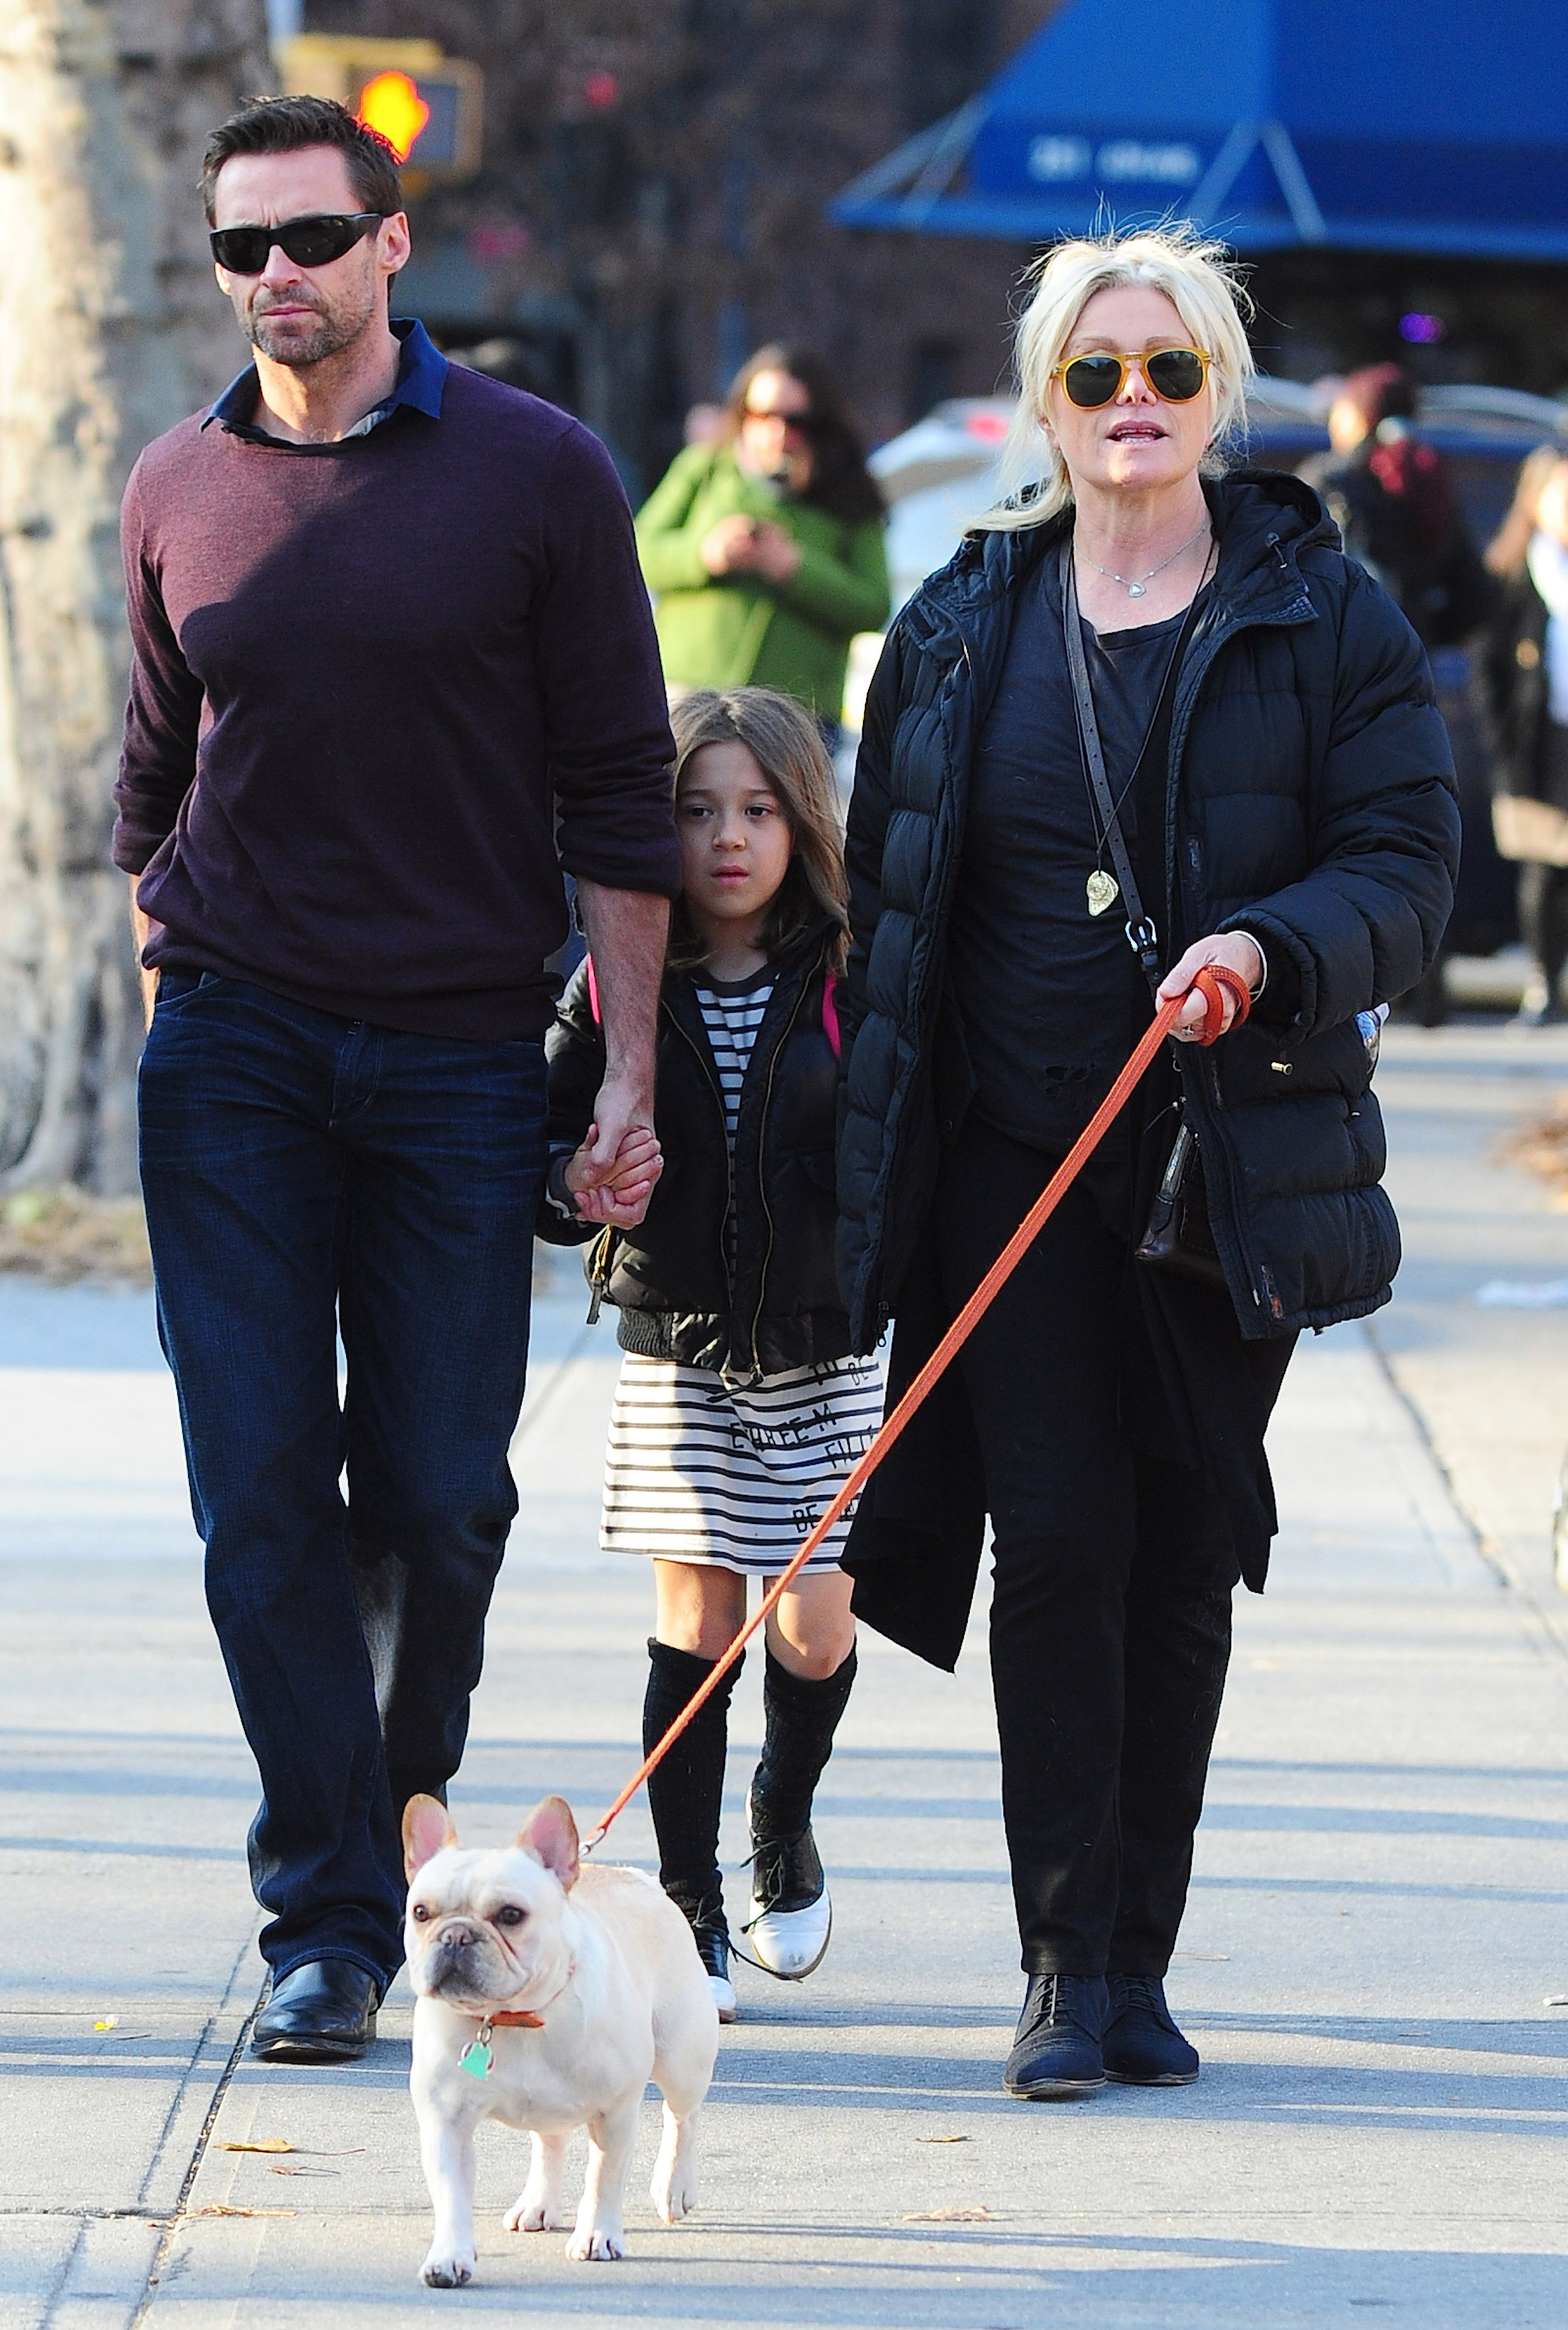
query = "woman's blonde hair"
x=1509 y=546
x=1206 y=293
x=787 y=745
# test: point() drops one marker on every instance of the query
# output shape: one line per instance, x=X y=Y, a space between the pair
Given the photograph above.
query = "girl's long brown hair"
x=1509 y=546
x=784 y=741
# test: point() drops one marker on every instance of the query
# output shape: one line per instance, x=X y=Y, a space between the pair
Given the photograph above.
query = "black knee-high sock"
x=801 y=1719
x=687 y=1791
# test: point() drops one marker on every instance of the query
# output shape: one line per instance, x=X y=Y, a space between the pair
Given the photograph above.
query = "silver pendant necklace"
x=1137 y=587
x=1102 y=890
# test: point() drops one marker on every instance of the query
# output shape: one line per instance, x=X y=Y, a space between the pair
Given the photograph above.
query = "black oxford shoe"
x=321 y=2012
x=1056 y=2056
x=1143 y=2047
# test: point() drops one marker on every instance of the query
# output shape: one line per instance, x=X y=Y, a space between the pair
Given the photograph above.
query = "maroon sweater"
x=382 y=691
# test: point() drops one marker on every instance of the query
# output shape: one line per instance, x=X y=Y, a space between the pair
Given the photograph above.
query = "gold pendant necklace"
x=1102 y=890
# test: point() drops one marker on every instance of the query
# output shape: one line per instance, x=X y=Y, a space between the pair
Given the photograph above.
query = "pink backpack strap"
x=593 y=994
x=830 y=1014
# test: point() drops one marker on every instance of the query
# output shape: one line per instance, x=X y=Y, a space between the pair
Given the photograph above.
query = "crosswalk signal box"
x=428 y=106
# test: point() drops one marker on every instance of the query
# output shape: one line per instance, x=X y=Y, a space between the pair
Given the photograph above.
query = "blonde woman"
x=1522 y=680
x=1148 y=718
x=739 y=1409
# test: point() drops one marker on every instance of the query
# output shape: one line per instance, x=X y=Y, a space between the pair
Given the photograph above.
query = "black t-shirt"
x=1051 y=997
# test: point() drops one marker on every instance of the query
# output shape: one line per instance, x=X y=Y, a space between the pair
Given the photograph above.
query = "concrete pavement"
x=1376 y=1918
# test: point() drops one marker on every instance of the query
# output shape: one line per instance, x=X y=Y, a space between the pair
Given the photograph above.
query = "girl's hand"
x=617 y=1193
x=1236 y=950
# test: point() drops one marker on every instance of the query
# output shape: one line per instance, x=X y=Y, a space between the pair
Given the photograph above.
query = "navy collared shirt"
x=421 y=377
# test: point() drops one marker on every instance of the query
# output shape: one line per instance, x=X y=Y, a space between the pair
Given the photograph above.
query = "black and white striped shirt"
x=733 y=1011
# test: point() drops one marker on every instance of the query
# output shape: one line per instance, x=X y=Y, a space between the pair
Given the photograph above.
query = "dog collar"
x=479 y=2055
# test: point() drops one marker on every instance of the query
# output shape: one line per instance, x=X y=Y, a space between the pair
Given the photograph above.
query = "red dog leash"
x=1208 y=984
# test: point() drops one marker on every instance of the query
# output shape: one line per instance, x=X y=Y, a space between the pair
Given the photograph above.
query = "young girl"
x=738 y=1412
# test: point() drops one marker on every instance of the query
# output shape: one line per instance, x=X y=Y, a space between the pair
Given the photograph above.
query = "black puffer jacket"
x=1309 y=795
x=671 y=1277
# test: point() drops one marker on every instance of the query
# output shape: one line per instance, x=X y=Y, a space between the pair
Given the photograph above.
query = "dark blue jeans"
x=305 y=1173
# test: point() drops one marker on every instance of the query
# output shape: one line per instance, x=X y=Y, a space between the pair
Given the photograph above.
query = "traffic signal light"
x=428 y=106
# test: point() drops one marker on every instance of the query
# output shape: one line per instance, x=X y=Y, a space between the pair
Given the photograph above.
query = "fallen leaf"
x=227 y=2209
x=288 y=2168
x=106 y=2023
x=262 y=2144
x=941 y=2139
x=944 y=2217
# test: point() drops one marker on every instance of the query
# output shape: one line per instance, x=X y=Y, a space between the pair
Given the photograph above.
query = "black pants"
x=1110 y=1624
x=1543 y=919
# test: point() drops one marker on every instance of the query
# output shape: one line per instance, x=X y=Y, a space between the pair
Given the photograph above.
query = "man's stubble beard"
x=336 y=327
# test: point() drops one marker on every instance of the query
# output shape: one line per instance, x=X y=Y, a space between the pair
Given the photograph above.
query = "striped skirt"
x=699 y=1471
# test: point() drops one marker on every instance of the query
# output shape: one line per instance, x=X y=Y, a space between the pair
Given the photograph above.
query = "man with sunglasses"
x=393 y=668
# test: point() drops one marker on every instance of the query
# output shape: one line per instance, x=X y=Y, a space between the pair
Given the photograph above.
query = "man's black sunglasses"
x=308 y=242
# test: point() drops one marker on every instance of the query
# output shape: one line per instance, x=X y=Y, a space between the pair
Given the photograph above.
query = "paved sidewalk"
x=1376 y=1919
x=1490 y=1382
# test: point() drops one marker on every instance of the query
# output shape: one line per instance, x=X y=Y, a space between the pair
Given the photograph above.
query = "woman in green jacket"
x=764 y=551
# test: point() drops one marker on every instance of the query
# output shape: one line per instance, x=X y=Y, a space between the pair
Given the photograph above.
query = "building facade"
x=650 y=204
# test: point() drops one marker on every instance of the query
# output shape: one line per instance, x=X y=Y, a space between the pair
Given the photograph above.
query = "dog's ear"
x=549 y=1835
x=427 y=1829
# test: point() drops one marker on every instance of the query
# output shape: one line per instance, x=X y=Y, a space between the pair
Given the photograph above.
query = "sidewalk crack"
x=1486 y=1546
x=198 y=2153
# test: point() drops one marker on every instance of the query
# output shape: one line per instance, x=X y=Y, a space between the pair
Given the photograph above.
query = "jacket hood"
x=1260 y=515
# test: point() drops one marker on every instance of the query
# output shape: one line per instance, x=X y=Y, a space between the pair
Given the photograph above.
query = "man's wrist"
x=632 y=1086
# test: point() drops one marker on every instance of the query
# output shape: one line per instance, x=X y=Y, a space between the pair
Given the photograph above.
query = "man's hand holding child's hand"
x=617 y=1193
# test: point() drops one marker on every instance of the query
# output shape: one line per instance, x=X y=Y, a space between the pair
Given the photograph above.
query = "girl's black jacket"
x=671 y=1278
x=1309 y=797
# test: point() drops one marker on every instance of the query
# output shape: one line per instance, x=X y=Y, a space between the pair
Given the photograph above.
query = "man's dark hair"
x=287 y=125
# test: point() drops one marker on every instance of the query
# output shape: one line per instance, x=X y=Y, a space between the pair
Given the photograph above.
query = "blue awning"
x=1431 y=125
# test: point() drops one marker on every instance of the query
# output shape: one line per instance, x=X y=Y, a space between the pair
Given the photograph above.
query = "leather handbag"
x=1179 y=1237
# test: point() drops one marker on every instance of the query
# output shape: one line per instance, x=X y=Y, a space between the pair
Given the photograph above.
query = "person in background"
x=1522 y=684
x=738 y=1411
x=1393 y=499
x=763 y=548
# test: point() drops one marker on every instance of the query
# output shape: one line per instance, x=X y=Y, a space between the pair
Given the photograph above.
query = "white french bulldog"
x=546 y=1996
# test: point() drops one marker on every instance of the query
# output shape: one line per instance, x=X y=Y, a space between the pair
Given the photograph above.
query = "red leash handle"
x=973 y=1309
x=1209 y=981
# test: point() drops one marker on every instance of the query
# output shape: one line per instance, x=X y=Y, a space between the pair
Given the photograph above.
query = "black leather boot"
x=1056 y=2054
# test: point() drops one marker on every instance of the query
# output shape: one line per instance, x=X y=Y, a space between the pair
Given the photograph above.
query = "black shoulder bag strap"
x=1141 y=934
x=1177 y=1236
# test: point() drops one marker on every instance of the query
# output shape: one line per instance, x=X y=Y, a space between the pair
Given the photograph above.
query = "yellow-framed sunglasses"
x=1175 y=374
